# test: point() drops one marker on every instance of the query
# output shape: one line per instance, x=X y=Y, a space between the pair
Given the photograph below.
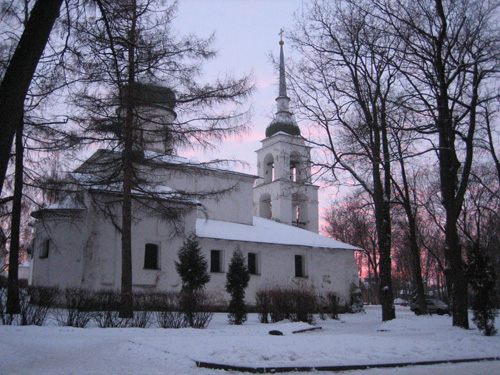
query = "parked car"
x=401 y=302
x=434 y=306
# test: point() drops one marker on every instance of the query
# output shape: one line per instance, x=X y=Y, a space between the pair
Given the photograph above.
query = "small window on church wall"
x=299 y=266
x=44 y=249
x=252 y=264
x=151 y=257
x=216 y=261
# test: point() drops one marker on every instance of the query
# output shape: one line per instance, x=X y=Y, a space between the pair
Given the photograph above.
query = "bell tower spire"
x=285 y=192
x=283 y=120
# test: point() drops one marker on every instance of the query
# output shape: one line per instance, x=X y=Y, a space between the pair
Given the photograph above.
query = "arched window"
x=295 y=167
x=268 y=168
x=44 y=249
x=265 y=206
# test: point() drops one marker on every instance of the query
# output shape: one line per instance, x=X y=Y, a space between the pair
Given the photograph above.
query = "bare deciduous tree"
x=447 y=56
x=345 y=84
x=132 y=62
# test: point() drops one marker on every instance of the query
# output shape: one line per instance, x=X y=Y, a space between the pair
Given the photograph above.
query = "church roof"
x=266 y=231
x=146 y=190
x=102 y=160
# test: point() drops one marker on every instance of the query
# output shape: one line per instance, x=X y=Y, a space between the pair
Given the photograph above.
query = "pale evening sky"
x=247 y=33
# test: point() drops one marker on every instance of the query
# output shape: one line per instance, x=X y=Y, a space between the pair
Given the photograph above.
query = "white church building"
x=272 y=218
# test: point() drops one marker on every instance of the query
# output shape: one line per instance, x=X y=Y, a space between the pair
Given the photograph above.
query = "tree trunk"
x=385 y=264
x=126 y=306
x=456 y=278
x=13 y=281
x=416 y=268
x=383 y=223
x=448 y=168
x=19 y=73
x=382 y=200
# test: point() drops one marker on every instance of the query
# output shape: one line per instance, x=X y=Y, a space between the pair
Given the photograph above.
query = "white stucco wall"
x=86 y=251
x=63 y=266
x=225 y=195
x=103 y=266
x=326 y=270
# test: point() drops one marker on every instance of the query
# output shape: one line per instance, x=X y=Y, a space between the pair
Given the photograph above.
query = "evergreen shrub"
x=192 y=267
x=236 y=282
x=482 y=279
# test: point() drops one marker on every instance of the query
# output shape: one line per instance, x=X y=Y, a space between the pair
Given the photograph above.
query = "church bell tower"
x=284 y=192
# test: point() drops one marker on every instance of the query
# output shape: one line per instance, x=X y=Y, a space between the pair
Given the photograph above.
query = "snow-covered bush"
x=236 y=282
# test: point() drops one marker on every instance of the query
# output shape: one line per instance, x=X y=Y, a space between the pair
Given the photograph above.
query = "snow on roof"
x=159 y=159
x=158 y=191
x=67 y=203
x=214 y=165
x=266 y=231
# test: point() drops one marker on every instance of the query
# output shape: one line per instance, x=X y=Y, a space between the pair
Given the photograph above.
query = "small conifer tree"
x=192 y=268
x=236 y=283
x=482 y=279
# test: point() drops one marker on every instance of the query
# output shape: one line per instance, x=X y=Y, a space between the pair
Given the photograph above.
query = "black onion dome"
x=277 y=126
x=149 y=94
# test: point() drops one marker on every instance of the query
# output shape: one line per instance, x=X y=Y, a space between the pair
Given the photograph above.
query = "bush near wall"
x=78 y=307
x=297 y=304
x=278 y=303
x=36 y=302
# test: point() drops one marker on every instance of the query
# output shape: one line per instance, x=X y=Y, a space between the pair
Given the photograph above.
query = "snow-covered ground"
x=355 y=339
